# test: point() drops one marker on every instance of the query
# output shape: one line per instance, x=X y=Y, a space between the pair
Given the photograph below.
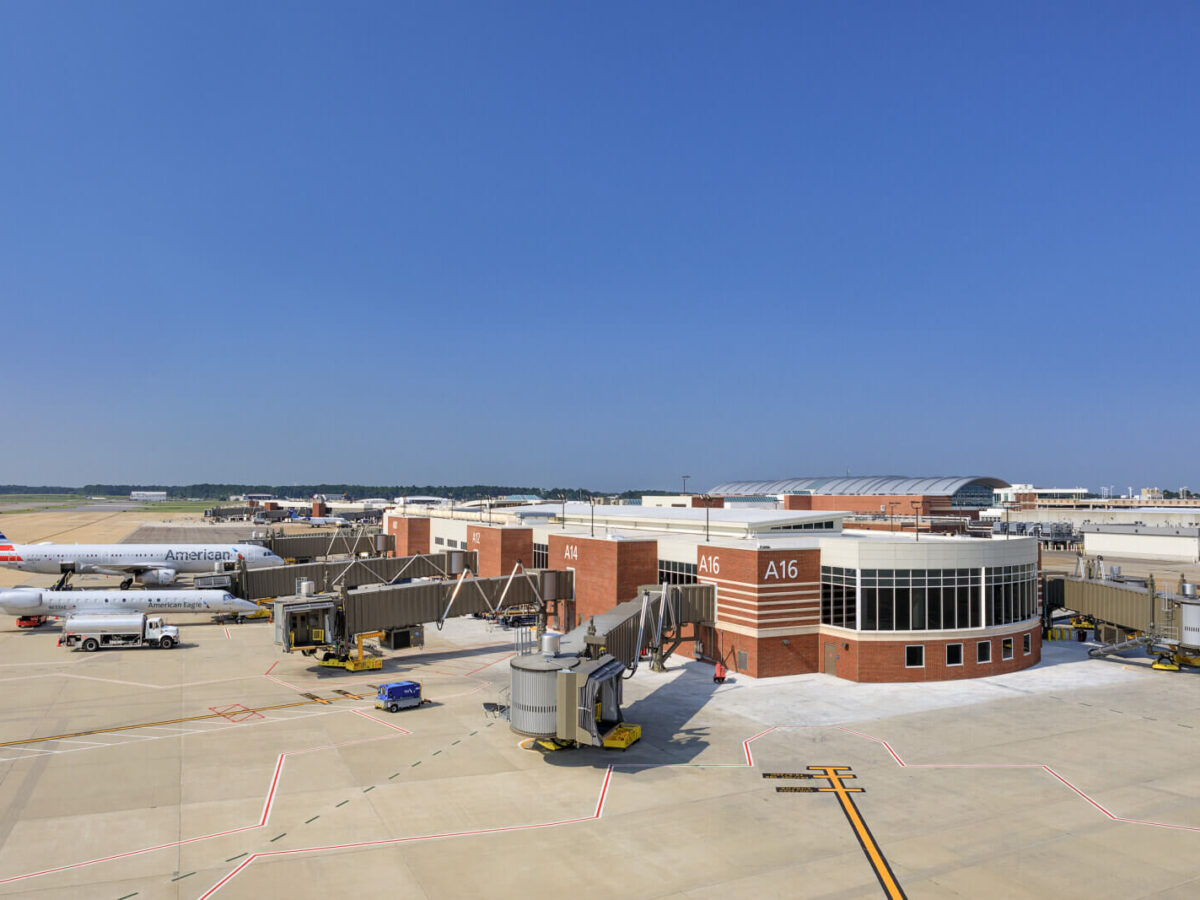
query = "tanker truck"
x=91 y=632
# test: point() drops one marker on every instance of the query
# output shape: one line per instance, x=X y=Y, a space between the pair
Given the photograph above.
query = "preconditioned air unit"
x=1189 y=625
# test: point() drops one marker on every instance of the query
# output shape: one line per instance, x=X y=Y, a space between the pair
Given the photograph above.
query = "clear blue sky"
x=599 y=245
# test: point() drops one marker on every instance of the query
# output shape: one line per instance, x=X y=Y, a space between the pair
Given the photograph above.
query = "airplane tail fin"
x=2 y=537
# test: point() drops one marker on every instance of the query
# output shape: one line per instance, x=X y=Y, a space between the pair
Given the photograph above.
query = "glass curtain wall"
x=928 y=599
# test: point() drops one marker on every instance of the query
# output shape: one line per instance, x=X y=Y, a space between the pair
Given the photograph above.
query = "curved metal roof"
x=944 y=485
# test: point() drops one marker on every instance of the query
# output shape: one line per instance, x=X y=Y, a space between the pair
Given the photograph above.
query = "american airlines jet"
x=148 y=563
x=25 y=601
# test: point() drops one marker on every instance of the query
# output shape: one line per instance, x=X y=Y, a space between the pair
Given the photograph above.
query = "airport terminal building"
x=797 y=590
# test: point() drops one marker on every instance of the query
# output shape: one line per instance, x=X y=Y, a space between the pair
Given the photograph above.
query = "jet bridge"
x=1126 y=615
x=571 y=692
x=367 y=540
x=328 y=624
x=283 y=581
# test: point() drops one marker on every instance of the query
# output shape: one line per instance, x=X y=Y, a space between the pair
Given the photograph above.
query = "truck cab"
x=159 y=634
x=397 y=695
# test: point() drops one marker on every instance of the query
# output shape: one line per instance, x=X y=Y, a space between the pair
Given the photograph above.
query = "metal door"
x=830 y=659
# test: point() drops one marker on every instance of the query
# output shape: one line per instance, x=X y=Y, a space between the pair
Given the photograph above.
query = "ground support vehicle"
x=397 y=695
x=92 y=631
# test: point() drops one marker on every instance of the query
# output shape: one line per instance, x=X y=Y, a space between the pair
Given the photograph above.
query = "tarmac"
x=211 y=771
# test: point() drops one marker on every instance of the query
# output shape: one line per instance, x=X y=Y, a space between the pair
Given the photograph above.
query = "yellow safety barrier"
x=1061 y=633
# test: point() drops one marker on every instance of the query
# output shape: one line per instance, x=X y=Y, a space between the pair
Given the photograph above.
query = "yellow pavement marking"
x=879 y=863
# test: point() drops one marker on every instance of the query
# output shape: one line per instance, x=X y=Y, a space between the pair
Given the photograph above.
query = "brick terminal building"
x=798 y=590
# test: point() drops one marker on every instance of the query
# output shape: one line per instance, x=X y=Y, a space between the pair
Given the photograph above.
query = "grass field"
x=39 y=499
x=181 y=505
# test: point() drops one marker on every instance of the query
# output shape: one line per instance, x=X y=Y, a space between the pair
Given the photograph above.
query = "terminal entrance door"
x=830 y=667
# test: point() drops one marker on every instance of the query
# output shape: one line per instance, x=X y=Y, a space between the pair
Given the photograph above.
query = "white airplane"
x=315 y=521
x=28 y=601
x=148 y=563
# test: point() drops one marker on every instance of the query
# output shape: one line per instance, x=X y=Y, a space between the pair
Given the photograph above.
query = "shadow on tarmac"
x=670 y=734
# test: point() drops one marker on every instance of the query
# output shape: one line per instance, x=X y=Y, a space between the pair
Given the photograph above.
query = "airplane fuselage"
x=38 y=602
x=110 y=559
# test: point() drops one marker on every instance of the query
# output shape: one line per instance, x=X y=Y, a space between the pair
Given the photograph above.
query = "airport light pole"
x=916 y=507
x=892 y=514
x=593 y=500
x=685 y=478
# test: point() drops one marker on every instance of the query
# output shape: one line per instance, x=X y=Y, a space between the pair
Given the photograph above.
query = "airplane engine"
x=20 y=600
x=157 y=576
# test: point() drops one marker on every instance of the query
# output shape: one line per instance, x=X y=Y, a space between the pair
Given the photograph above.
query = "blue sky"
x=599 y=245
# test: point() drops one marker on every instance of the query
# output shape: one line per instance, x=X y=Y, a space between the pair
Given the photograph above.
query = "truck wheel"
x=166 y=643
x=90 y=645
x=392 y=707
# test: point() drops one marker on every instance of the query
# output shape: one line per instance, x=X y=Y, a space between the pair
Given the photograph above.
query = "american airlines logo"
x=180 y=555
x=8 y=553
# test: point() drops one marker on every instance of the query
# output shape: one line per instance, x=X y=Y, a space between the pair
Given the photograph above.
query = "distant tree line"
x=351 y=491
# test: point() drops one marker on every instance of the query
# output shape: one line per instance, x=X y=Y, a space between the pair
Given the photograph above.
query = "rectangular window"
x=983 y=652
x=1027 y=643
x=914 y=656
x=954 y=655
x=541 y=556
x=439 y=541
x=1006 y=648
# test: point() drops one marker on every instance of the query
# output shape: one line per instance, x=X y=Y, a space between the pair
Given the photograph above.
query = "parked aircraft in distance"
x=147 y=563
x=316 y=521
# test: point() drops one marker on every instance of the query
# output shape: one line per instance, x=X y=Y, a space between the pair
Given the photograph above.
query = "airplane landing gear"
x=126 y=584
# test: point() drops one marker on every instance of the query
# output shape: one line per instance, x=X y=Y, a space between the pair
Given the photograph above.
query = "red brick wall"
x=319 y=508
x=606 y=572
x=698 y=501
x=412 y=534
x=761 y=589
x=500 y=548
x=797 y=501
x=765 y=657
x=884 y=660
x=872 y=503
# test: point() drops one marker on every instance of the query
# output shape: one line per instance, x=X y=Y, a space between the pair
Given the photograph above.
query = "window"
x=954 y=654
x=441 y=542
x=805 y=526
x=1006 y=648
x=541 y=556
x=839 y=596
x=914 y=656
x=671 y=572
x=927 y=599
x=983 y=652
x=1027 y=643
x=1010 y=594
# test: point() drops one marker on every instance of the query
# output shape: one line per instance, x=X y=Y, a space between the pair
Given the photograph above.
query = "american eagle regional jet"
x=39 y=602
